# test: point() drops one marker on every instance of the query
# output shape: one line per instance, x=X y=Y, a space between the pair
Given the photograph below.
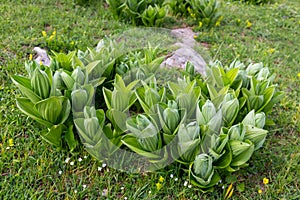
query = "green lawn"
x=32 y=169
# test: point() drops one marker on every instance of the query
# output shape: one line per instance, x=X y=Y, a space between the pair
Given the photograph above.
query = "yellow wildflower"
x=51 y=37
x=30 y=56
x=11 y=142
x=259 y=191
x=41 y=63
x=248 y=24
x=298 y=74
x=44 y=33
x=272 y=50
x=161 y=179
x=265 y=181
x=158 y=186
x=200 y=24
x=218 y=23
x=54 y=32
x=238 y=22
x=195 y=36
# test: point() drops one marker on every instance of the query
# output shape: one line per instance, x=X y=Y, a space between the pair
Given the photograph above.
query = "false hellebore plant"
x=47 y=92
x=211 y=125
x=45 y=100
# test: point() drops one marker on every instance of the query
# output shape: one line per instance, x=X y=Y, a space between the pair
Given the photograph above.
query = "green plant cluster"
x=212 y=125
x=47 y=90
x=207 y=12
x=145 y=12
x=57 y=43
x=256 y=2
x=153 y=13
x=178 y=8
x=46 y=97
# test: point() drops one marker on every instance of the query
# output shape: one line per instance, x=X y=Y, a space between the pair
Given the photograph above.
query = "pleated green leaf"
x=67 y=79
x=241 y=151
x=70 y=138
x=24 y=86
x=27 y=107
x=53 y=136
x=132 y=143
x=107 y=97
x=50 y=109
x=86 y=139
x=225 y=159
x=256 y=135
x=79 y=100
x=202 y=170
x=41 y=83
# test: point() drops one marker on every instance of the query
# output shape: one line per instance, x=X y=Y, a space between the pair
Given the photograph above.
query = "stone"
x=185 y=52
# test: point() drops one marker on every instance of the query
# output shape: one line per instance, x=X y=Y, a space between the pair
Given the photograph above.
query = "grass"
x=32 y=169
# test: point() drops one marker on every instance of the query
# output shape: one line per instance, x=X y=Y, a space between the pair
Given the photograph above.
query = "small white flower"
x=149 y=192
x=83 y=186
x=99 y=169
x=185 y=183
x=72 y=163
x=79 y=159
x=67 y=160
x=75 y=191
x=103 y=165
x=125 y=198
x=171 y=175
x=104 y=193
x=7 y=148
x=189 y=186
x=85 y=157
x=220 y=181
x=176 y=179
x=122 y=188
x=60 y=172
x=223 y=187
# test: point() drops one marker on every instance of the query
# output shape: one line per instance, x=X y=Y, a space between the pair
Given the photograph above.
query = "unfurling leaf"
x=206 y=113
x=79 y=100
x=202 y=171
x=241 y=152
x=188 y=143
x=145 y=132
x=78 y=76
x=256 y=135
x=230 y=109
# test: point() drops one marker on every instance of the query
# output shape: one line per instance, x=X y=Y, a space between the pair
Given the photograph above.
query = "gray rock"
x=185 y=52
